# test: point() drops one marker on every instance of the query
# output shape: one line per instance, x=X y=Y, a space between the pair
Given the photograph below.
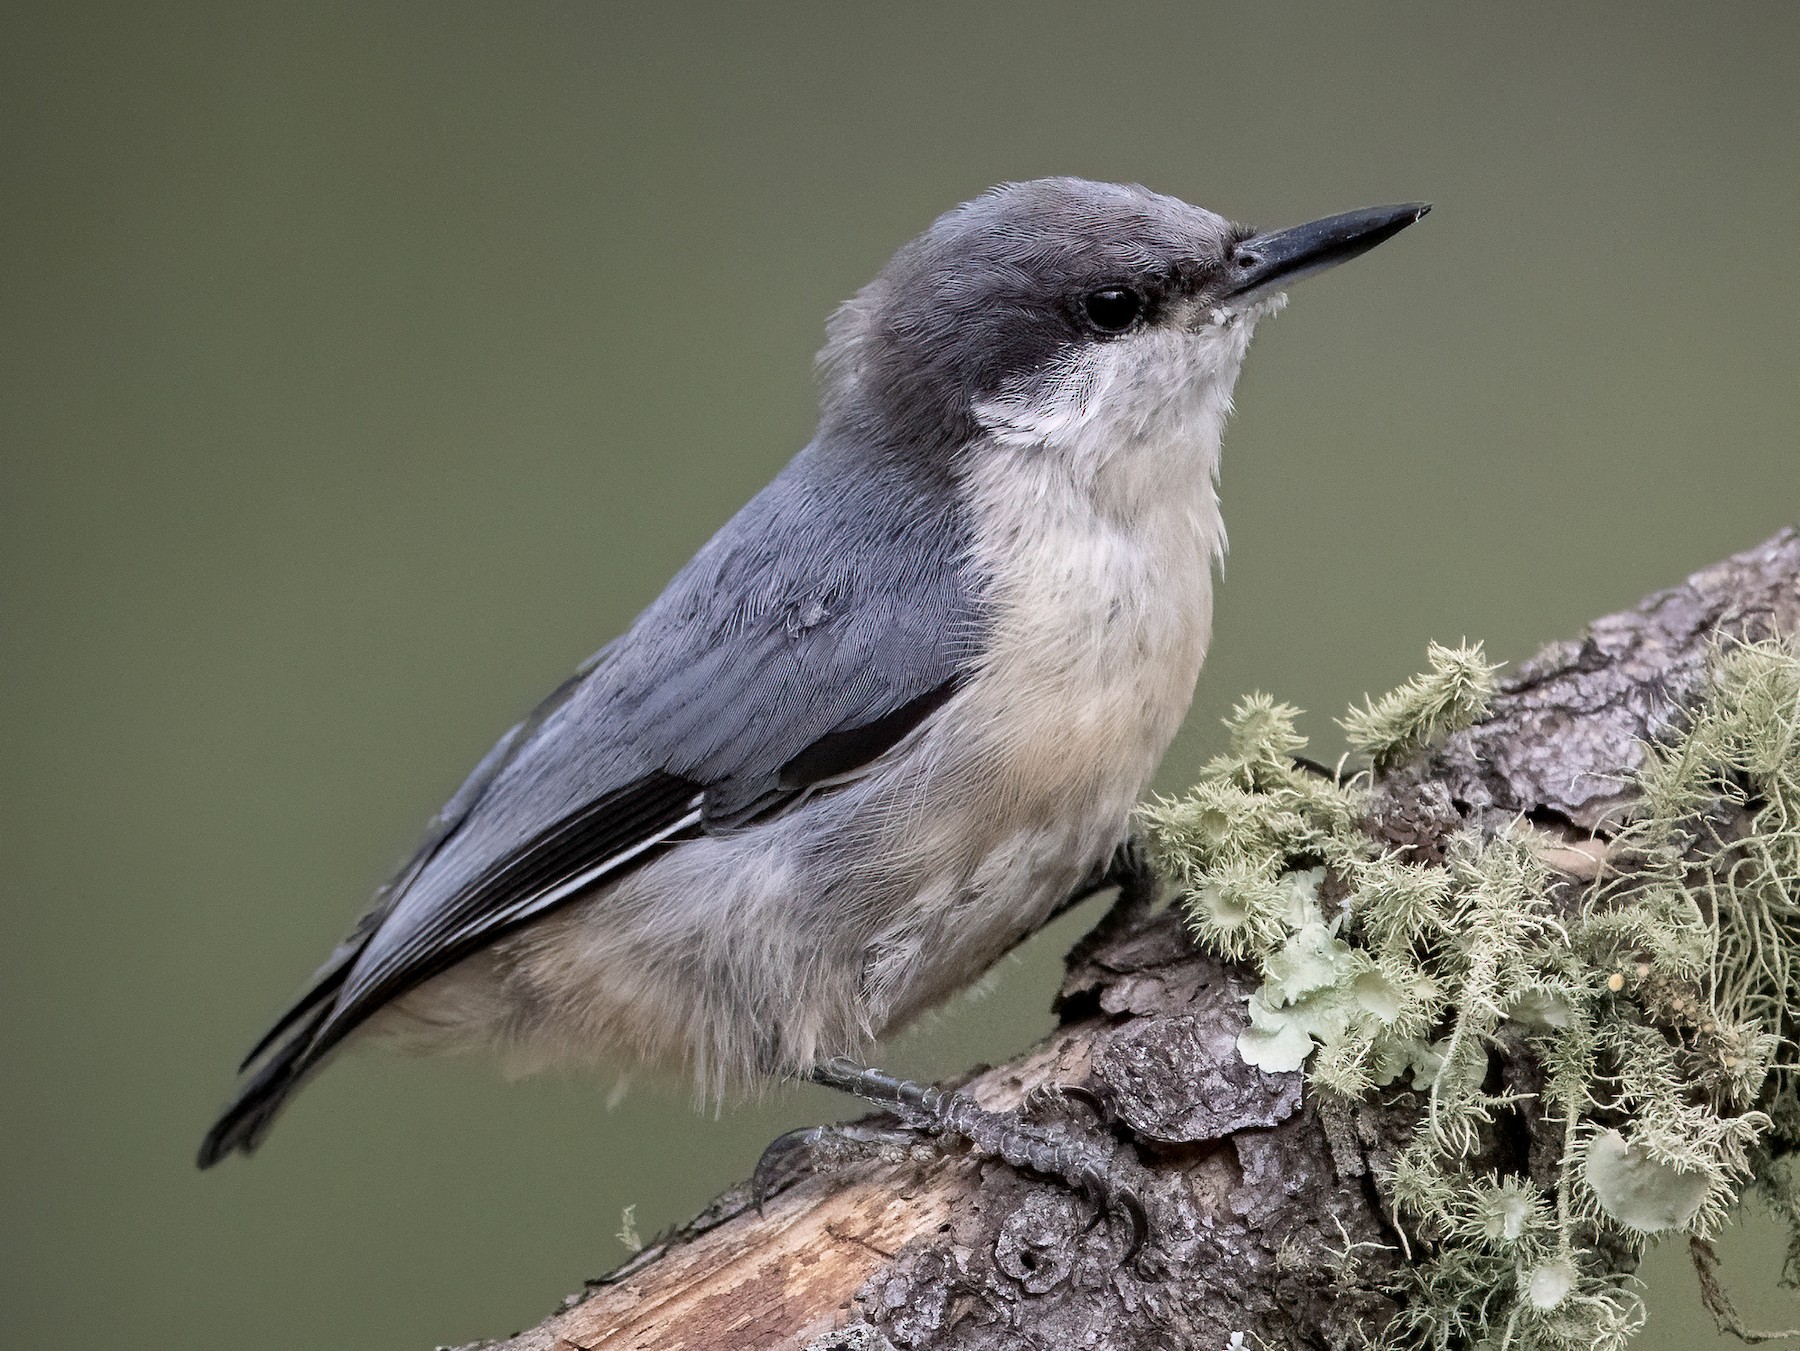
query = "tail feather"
x=323 y=987
x=247 y=1118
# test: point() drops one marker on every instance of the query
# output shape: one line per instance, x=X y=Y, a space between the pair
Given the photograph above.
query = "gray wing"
x=825 y=621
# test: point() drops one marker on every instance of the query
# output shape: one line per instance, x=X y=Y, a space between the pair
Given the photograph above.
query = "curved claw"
x=781 y=1162
x=1133 y=1206
x=788 y=1156
x=1095 y=1178
x=1080 y=1093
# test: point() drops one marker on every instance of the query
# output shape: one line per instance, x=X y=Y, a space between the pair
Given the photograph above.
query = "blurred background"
x=367 y=366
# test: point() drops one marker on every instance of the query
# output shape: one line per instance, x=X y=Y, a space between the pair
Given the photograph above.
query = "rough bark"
x=1265 y=1217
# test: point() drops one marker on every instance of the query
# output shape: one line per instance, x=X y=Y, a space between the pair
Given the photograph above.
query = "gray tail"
x=247 y=1118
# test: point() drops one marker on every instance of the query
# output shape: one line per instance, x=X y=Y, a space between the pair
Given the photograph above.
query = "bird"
x=895 y=714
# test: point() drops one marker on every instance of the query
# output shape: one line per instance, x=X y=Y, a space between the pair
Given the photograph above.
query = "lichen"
x=628 y=1230
x=1651 y=1002
x=1407 y=721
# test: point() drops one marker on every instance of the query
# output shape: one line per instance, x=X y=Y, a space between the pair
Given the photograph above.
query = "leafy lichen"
x=1652 y=999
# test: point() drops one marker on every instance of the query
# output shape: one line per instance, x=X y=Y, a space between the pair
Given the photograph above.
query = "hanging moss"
x=1655 y=998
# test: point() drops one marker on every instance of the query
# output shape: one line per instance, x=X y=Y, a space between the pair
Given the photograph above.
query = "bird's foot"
x=1085 y=1160
x=790 y=1156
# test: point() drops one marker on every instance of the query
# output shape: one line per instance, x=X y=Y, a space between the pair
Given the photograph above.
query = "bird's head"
x=1068 y=314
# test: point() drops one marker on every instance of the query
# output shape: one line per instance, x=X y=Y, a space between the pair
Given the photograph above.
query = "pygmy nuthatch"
x=892 y=715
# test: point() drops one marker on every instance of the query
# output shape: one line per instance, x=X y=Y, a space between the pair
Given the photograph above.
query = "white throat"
x=1135 y=422
x=1133 y=425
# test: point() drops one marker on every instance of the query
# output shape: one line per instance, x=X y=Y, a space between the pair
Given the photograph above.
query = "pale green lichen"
x=628 y=1230
x=1317 y=988
x=1641 y=1190
x=1452 y=695
x=1655 y=999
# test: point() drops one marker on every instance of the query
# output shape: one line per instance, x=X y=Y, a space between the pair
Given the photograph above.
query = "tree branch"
x=1266 y=1216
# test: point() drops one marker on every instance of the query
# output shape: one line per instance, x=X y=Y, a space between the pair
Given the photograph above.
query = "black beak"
x=1268 y=262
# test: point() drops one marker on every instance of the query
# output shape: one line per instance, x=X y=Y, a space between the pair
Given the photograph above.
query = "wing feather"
x=818 y=628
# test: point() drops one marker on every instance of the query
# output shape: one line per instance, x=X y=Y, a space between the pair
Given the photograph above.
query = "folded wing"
x=827 y=620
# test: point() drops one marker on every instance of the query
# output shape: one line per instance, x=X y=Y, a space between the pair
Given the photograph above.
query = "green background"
x=367 y=366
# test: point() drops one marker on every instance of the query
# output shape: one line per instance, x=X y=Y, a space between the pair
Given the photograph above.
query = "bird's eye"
x=1112 y=309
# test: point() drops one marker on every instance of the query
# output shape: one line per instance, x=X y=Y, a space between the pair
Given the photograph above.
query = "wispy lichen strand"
x=1654 y=1000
